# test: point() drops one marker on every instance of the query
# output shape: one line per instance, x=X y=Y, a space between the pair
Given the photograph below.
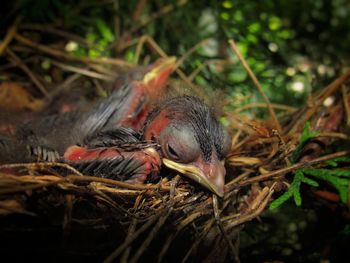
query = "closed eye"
x=172 y=153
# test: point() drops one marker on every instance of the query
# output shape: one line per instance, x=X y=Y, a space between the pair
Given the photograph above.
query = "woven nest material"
x=78 y=214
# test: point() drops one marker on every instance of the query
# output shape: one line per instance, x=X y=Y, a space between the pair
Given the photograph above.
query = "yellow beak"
x=162 y=65
x=213 y=181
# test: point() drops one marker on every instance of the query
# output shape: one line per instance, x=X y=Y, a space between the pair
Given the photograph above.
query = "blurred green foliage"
x=293 y=47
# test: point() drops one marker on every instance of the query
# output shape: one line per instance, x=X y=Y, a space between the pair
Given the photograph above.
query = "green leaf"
x=274 y=23
x=238 y=75
x=254 y=27
x=252 y=39
x=93 y=53
x=333 y=177
x=326 y=174
x=310 y=182
x=280 y=200
x=129 y=56
x=224 y=121
x=91 y=37
x=238 y=16
x=343 y=193
x=104 y=30
x=334 y=162
x=285 y=34
x=306 y=135
x=225 y=16
x=293 y=190
x=227 y=4
x=297 y=198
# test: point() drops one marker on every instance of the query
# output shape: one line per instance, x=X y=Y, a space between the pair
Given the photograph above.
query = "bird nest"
x=73 y=216
x=151 y=219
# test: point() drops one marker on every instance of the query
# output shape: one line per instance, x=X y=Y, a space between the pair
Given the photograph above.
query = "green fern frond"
x=333 y=177
x=327 y=172
x=306 y=135
x=293 y=190
x=309 y=181
x=335 y=162
x=338 y=178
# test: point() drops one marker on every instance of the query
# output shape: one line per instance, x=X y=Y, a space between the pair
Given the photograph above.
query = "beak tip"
x=219 y=191
x=214 y=184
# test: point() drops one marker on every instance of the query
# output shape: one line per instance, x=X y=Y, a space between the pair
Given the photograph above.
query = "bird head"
x=192 y=140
